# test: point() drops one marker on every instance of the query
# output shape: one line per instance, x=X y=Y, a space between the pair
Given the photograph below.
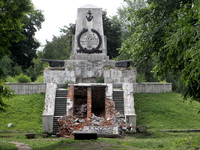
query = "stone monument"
x=89 y=42
x=89 y=62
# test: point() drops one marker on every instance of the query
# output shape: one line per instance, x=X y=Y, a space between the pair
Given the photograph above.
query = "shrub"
x=11 y=79
x=40 y=79
x=100 y=80
x=140 y=78
x=23 y=78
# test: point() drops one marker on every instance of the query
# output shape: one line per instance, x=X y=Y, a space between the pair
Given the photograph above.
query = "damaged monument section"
x=93 y=111
x=88 y=106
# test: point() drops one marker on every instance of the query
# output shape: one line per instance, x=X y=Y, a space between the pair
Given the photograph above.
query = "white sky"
x=63 y=12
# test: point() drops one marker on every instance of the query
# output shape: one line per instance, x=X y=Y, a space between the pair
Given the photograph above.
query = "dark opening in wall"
x=98 y=100
x=80 y=102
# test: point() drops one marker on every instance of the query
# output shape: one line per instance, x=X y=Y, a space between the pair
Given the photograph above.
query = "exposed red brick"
x=89 y=103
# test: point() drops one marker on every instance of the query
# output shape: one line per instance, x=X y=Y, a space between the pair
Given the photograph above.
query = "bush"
x=23 y=78
x=100 y=80
x=11 y=79
x=40 y=79
x=140 y=78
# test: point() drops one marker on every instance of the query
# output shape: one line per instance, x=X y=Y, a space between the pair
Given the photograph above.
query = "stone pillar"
x=89 y=103
x=129 y=109
x=70 y=100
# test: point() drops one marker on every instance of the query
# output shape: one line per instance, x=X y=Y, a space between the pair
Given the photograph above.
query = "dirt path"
x=21 y=146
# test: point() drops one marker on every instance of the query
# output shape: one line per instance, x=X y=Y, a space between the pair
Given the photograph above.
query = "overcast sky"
x=63 y=12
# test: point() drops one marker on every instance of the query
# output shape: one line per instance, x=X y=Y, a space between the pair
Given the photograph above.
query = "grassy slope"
x=24 y=112
x=156 y=111
x=166 y=111
x=152 y=110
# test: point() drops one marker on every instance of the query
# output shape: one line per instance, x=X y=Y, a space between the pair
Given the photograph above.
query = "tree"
x=123 y=17
x=24 y=51
x=60 y=47
x=112 y=30
x=167 y=31
x=11 y=14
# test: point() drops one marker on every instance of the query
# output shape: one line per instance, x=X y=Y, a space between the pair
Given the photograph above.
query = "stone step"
x=61 y=103
x=56 y=125
x=61 y=93
x=118 y=98
x=61 y=98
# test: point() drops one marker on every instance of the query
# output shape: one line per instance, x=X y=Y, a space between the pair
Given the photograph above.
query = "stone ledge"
x=181 y=130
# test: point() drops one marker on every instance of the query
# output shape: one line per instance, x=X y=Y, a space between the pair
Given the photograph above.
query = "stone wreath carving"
x=87 y=50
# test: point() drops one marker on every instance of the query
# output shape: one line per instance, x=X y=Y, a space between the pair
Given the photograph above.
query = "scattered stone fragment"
x=9 y=125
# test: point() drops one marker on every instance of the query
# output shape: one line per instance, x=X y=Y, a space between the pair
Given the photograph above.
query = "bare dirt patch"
x=21 y=146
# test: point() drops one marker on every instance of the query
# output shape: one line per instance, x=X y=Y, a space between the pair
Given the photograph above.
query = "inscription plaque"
x=89 y=41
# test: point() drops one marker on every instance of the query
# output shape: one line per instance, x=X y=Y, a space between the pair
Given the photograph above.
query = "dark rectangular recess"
x=98 y=100
x=80 y=102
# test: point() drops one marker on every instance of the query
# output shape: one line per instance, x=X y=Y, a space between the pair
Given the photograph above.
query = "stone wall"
x=59 y=76
x=129 y=109
x=77 y=71
x=28 y=88
x=152 y=87
x=48 y=114
x=120 y=75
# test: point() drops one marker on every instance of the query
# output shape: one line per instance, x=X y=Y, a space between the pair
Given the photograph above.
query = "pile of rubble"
x=107 y=122
x=99 y=125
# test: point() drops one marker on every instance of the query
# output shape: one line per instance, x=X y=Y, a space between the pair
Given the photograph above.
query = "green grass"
x=166 y=111
x=151 y=141
x=156 y=111
x=24 y=112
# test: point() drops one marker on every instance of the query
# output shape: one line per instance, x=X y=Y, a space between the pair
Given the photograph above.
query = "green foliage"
x=40 y=79
x=24 y=112
x=17 y=70
x=188 y=142
x=163 y=111
x=11 y=79
x=12 y=13
x=37 y=69
x=67 y=83
x=60 y=47
x=5 y=93
x=22 y=78
x=6 y=65
x=7 y=146
x=112 y=30
x=140 y=78
x=167 y=33
x=23 y=52
x=100 y=80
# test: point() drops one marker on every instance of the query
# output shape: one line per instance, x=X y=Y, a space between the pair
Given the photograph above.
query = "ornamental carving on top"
x=89 y=17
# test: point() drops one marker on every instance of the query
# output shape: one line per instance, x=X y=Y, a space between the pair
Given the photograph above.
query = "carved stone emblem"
x=89 y=41
x=89 y=17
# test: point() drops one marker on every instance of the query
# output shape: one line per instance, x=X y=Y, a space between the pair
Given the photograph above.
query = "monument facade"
x=89 y=62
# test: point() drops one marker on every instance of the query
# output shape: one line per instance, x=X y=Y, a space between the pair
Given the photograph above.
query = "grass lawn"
x=166 y=111
x=24 y=112
x=156 y=111
x=150 y=141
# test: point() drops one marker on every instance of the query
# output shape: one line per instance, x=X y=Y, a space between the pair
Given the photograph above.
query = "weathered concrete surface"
x=95 y=22
x=152 y=87
x=59 y=76
x=48 y=114
x=27 y=88
x=78 y=71
x=120 y=75
x=129 y=110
